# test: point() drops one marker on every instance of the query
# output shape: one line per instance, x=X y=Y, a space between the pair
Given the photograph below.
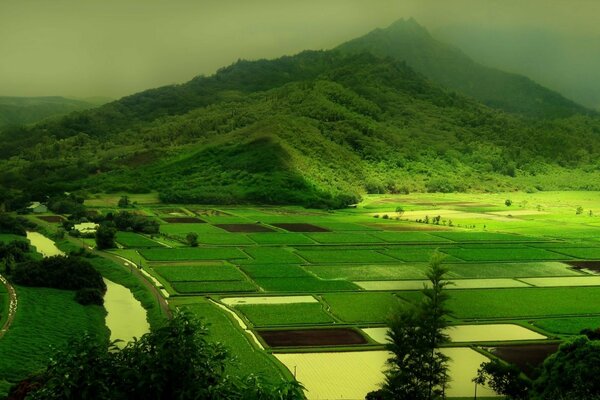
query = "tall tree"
x=417 y=370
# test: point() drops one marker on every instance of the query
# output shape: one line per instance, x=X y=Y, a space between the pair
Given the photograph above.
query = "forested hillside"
x=15 y=111
x=317 y=129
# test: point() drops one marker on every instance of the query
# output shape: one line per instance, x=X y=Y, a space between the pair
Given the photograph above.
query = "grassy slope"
x=45 y=318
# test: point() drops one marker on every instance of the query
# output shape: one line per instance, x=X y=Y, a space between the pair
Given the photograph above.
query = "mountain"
x=28 y=110
x=406 y=40
x=318 y=129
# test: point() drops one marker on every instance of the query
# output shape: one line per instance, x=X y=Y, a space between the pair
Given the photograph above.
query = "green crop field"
x=177 y=273
x=130 y=239
x=362 y=307
x=504 y=254
x=223 y=329
x=285 y=314
x=417 y=254
x=343 y=237
x=303 y=284
x=343 y=256
x=271 y=255
x=532 y=302
x=224 y=238
x=213 y=287
x=408 y=237
x=274 y=271
x=268 y=238
x=369 y=272
x=195 y=253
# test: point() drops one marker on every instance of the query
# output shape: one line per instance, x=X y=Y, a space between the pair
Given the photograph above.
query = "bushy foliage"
x=87 y=296
x=14 y=225
x=173 y=362
x=126 y=221
x=15 y=250
x=60 y=272
x=105 y=236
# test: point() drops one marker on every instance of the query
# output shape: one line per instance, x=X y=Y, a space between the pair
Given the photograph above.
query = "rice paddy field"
x=307 y=293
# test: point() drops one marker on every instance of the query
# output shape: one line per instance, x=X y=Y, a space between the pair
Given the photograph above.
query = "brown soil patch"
x=300 y=227
x=312 y=337
x=244 y=228
x=526 y=357
x=51 y=218
x=407 y=227
x=183 y=220
x=593 y=265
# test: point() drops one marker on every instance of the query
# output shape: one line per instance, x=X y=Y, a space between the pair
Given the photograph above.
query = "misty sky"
x=85 y=48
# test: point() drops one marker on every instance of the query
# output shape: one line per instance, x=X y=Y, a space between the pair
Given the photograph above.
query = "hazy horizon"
x=82 y=49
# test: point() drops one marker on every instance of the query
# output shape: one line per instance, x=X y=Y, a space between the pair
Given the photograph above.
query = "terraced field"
x=518 y=266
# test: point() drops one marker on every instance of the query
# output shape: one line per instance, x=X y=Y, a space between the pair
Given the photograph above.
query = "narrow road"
x=12 y=305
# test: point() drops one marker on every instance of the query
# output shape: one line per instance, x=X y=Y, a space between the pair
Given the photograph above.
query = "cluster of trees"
x=63 y=272
x=175 y=361
x=15 y=225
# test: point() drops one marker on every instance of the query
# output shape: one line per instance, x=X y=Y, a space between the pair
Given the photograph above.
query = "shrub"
x=87 y=296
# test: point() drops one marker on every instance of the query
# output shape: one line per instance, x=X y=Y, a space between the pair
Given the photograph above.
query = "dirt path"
x=12 y=305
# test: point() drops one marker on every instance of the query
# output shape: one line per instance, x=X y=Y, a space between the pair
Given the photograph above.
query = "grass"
x=362 y=307
x=516 y=303
x=130 y=239
x=345 y=256
x=192 y=253
x=271 y=255
x=503 y=254
x=303 y=284
x=223 y=329
x=180 y=230
x=285 y=314
x=45 y=318
x=213 y=287
x=177 y=273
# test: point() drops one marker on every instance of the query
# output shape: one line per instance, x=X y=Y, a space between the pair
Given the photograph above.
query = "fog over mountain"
x=122 y=47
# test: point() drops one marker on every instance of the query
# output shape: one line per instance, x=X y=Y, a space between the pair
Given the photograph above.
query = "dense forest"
x=318 y=129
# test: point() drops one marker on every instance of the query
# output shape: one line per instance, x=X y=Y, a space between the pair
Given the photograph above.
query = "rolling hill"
x=318 y=129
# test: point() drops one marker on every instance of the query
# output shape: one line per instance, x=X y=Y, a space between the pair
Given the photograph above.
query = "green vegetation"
x=15 y=111
x=345 y=256
x=362 y=307
x=131 y=239
x=267 y=255
x=285 y=314
x=213 y=287
x=533 y=302
x=222 y=329
x=196 y=253
x=302 y=284
x=504 y=254
x=179 y=353
x=209 y=272
x=46 y=317
x=568 y=326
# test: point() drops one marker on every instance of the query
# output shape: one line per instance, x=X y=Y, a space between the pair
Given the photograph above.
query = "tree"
x=571 y=372
x=417 y=369
x=105 y=237
x=399 y=211
x=175 y=361
x=508 y=202
x=123 y=202
x=192 y=239
x=504 y=379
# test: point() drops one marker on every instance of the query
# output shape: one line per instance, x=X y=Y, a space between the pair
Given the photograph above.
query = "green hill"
x=406 y=40
x=317 y=129
x=28 y=110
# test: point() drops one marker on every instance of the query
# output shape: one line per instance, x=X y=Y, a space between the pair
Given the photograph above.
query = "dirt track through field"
x=12 y=305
